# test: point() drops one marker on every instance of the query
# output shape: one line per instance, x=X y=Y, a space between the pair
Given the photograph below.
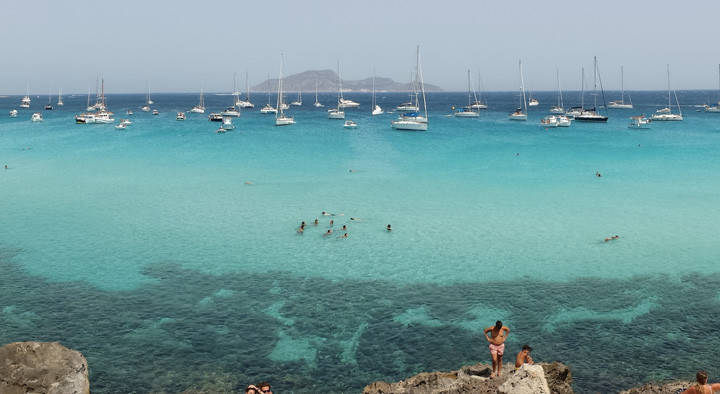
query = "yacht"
x=120 y=127
x=591 y=115
x=231 y=111
x=180 y=116
x=337 y=112
x=666 y=114
x=155 y=112
x=37 y=117
x=25 y=102
x=345 y=103
x=414 y=121
x=639 y=122
x=521 y=112
x=280 y=118
x=245 y=103
x=468 y=112
x=621 y=104
x=13 y=113
x=558 y=109
x=376 y=110
x=200 y=108
x=102 y=116
x=268 y=109
x=350 y=124
x=215 y=117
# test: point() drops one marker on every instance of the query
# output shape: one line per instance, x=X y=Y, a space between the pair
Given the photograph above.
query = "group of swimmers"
x=301 y=229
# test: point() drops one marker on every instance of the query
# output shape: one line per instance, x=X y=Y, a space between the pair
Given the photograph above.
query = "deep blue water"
x=168 y=254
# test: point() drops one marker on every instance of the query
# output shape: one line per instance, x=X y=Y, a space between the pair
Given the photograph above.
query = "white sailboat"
x=268 y=109
x=280 y=118
x=376 y=110
x=146 y=107
x=414 y=121
x=468 y=112
x=410 y=106
x=521 y=112
x=666 y=114
x=715 y=108
x=231 y=110
x=337 y=113
x=200 y=108
x=102 y=116
x=245 y=103
x=298 y=102
x=317 y=103
x=591 y=115
x=479 y=104
x=621 y=104
x=558 y=109
x=25 y=102
x=60 y=102
x=49 y=106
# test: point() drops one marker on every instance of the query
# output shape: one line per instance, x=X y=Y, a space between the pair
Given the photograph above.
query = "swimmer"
x=300 y=230
x=315 y=223
x=614 y=237
x=248 y=183
x=327 y=233
x=6 y=166
x=598 y=174
x=325 y=213
x=356 y=219
x=389 y=228
x=331 y=223
x=343 y=236
x=344 y=227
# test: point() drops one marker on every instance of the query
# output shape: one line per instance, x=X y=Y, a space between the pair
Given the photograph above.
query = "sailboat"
x=590 y=115
x=231 y=110
x=621 y=104
x=715 y=108
x=280 y=118
x=468 y=112
x=268 y=109
x=200 y=108
x=317 y=103
x=376 y=110
x=49 y=106
x=521 y=112
x=478 y=104
x=532 y=102
x=60 y=102
x=298 y=102
x=101 y=116
x=337 y=113
x=25 y=102
x=246 y=103
x=146 y=107
x=666 y=114
x=558 y=109
x=413 y=120
x=410 y=106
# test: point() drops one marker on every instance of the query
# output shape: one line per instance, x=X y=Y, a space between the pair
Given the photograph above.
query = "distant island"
x=327 y=81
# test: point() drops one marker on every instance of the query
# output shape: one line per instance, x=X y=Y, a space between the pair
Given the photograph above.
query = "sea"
x=169 y=255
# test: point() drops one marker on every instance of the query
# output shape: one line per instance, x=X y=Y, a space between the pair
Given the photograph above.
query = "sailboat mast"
x=522 y=87
x=279 y=99
x=595 y=83
x=422 y=83
x=469 y=101
x=622 y=85
x=668 y=78
x=372 y=106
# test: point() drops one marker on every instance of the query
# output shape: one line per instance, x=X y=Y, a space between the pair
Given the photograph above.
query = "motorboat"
x=549 y=121
x=13 y=113
x=533 y=102
x=36 y=117
x=120 y=127
x=214 y=117
x=227 y=123
x=180 y=116
x=48 y=106
x=336 y=113
x=145 y=108
x=563 y=121
x=478 y=105
x=639 y=122
x=155 y=112
x=221 y=130
x=407 y=107
x=129 y=112
x=345 y=103
x=25 y=102
x=126 y=122
x=350 y=124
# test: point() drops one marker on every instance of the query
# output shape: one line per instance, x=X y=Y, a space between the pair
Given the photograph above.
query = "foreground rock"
x=42 y=367
x=552 y=378
x=652 y=388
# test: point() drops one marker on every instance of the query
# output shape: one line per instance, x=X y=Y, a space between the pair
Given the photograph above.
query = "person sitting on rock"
x=702 y=386
x=523 y=357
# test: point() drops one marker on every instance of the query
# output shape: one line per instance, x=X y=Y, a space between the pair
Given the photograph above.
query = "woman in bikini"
x=702 y=386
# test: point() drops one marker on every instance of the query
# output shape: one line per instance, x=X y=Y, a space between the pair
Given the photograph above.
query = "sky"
x=174 y=44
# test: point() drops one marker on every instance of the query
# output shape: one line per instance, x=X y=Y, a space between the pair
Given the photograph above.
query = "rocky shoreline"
x=49 y=367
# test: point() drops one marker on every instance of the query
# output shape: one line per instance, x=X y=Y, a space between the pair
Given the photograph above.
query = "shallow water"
x=146 y=249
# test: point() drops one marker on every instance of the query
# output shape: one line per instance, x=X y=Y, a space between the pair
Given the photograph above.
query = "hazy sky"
x=67 y=44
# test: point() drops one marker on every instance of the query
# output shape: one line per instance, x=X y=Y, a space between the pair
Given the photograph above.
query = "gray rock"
x=529 y=379
x=475 y=379
x=42 y=367
x=654 y=388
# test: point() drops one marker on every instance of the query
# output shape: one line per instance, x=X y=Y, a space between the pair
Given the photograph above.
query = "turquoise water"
x=169 y=253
